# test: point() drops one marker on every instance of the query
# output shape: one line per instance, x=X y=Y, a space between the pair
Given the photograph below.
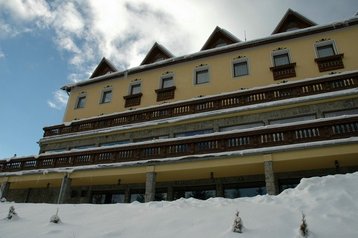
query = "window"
x=193 y=133
x=134 y=95
x=81 y=101
x=325 y=49
x=240 y=68
x=282 y=66
x=201 y=75
x=281 y=59
x=327 y=57
x=135 y=89
x=292 y=119
x=241 y=127
x=106 y=96
x=167 y=82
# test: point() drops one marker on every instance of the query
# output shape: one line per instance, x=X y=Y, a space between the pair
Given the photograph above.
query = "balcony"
x=329 y=63
x=283 y=71
x=165 y=93
x=132 y=100
x=296 y=89
x=312 y=131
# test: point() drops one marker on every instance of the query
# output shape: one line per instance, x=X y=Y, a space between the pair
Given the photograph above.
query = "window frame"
x=165 y=77
x=104 y=93
x=240 y=61
x=325 y=43
x=132 y=86
x=280 y=53
x=199 y=69
x=79 y=98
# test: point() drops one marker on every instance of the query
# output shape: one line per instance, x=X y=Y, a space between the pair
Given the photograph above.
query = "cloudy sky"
x=47 y=44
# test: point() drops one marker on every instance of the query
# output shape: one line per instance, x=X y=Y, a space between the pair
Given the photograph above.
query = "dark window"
x=106 y=96
x=241 y=69
x=81 y=101
x=202 y=76
x=325 y=50
x=135 y=89
x=193 y=133
x=281 y=59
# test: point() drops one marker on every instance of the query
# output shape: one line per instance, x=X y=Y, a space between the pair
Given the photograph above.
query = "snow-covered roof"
x=295 y=16
x=221 y=50
x=217 y=34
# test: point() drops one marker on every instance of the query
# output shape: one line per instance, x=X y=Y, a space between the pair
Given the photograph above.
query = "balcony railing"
x=283 y=71
x=132 y=100
x=319 y=130
x=165 y=93
x=237 y=99
x=330 y=63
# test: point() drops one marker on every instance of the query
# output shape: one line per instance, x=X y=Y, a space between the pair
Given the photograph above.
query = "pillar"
x=219 y=189
x=4 y=188
x=271 y=186
x=64 y=190
x=170 y=193
x=150 y=186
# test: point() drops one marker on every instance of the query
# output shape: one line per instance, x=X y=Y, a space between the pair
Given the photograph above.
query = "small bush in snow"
x=238 y=225
x=55 y=218
x=304 y=228
x=12 y=214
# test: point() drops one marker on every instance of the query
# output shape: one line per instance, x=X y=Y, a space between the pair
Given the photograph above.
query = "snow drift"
x=329 y=204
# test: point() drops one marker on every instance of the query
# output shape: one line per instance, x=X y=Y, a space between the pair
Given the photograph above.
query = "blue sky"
x=47 y=44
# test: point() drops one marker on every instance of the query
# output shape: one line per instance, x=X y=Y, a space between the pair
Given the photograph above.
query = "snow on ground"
x=329 y=203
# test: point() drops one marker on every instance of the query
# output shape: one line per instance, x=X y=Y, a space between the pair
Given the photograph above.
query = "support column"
x=271 y=186
x=127 y=195
x=4 y=188
x=219 y=189
x=150 y=186
x=170 y=194
x=64 y=190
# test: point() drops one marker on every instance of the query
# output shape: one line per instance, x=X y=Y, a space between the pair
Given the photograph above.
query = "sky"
x=47 y=44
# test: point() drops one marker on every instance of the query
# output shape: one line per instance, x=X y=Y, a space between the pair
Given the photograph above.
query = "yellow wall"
x=301 y=49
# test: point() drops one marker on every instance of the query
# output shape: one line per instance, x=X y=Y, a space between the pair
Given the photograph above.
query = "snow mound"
x=329 y=204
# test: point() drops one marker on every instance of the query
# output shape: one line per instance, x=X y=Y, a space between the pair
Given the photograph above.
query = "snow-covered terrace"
x=298 y=135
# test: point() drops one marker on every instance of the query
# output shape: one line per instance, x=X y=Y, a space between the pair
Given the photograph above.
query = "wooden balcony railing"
x=330 y=63
x=237 y=99
x=132 y=100
x=165 y=93
x=283 y=71
x=336 y=128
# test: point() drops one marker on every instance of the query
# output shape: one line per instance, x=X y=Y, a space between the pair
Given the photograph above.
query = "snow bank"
x=329 y=203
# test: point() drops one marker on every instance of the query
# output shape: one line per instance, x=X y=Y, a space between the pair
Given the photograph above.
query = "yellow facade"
x=301 y=51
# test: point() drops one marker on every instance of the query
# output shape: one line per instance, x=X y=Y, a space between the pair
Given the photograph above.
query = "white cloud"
x=123 y=31
x=2 y=55
x=59 y=100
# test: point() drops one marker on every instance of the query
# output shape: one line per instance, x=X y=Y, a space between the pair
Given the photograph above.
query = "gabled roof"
x=104 y=67
x=157 y=53
x=219 y=36
x=292 y=20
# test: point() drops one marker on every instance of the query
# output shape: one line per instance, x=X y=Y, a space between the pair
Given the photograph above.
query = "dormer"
x=104 y=67
x=292 y=21
x=157 y=53
x=219 y=37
